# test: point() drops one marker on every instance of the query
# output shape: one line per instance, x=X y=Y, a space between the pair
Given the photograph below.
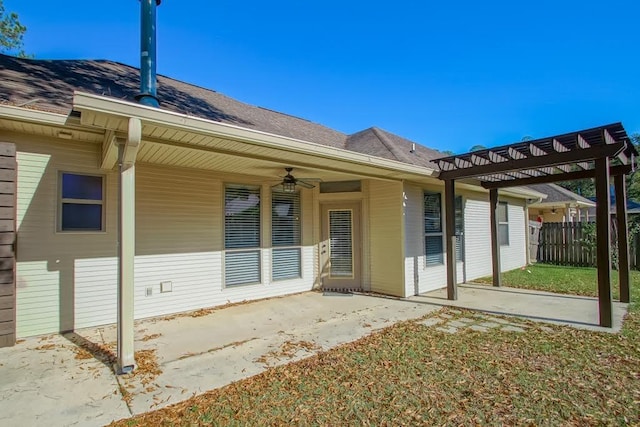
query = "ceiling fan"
x=289 y=182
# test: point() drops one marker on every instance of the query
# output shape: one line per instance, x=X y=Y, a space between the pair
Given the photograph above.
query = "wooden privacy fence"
x=567 y=243
x=574 y=244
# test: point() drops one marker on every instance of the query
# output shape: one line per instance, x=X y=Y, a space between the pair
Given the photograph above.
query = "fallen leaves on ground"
x=288 y=350
x=411 y=374
x=150 y=337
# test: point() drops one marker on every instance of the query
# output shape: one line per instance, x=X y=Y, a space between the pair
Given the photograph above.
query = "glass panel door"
x=341 y=243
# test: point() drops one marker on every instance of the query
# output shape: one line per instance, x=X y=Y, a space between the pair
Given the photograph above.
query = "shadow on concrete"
x=89 y=349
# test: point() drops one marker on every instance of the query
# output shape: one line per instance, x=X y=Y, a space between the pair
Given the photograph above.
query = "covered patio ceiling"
x=600 y=153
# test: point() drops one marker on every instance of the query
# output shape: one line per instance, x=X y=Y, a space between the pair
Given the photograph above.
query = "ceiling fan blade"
x=277 y=185
x=303 y=184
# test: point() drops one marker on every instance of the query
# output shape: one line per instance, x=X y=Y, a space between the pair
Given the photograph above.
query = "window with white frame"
x=241 y=235
x=433 y=239
x=81 y=202
x=285 y=236
x=503 y=223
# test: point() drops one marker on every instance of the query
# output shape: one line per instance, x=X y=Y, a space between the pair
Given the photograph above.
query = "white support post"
x=127 y=151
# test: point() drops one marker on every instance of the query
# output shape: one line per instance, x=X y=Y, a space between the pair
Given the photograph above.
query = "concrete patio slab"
x=68 y=380
x=576 y=311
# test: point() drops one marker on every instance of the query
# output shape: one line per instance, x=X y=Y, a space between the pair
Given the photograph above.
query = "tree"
x=478 y=147
x=586 y=187
x=633 y=181
x=11 y=33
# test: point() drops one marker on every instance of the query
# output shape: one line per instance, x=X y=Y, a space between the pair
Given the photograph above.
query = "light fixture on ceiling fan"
x=289 y=182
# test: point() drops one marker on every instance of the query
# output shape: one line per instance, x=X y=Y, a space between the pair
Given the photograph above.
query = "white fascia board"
x=164 y=118
x=561 y=204
x=21 y=114
x=522 y=193
x=515 y=192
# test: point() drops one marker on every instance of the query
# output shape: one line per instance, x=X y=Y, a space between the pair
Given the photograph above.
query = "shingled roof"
x=49 y=85
x=558 y=194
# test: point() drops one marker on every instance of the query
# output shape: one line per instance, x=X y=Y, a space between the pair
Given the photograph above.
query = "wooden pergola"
x=599 y=153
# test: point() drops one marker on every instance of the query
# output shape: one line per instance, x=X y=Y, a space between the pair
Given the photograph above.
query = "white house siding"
x=386 y=228
x=478 y=236
x=68 y=280
x=419 y=277
x=50 y=263
x=477 y=240
x=514 y=255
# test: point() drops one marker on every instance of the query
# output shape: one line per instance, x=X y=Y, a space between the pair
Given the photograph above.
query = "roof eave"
x=124 y=109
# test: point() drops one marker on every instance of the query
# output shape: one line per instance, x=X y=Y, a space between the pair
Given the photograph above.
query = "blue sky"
x=446 y=74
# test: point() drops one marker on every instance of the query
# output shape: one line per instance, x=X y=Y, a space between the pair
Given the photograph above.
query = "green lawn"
x=412 y=374
x=560 y=279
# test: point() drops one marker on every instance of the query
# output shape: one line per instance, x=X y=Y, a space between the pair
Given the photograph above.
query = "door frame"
x=356 y=281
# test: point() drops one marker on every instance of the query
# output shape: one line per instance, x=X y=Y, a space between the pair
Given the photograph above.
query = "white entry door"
x=340 y=252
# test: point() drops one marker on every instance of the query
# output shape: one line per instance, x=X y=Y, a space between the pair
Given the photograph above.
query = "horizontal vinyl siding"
x=414 y=241
x=428 y=277
x=514 y=255
x=179 y=214
x=386 y=237
x=69 y=280
x=477 y=239
x=54 y=269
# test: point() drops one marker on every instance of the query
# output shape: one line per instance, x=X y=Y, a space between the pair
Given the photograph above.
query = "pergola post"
x=495 y=241
x=623 y=239
x=603 y=241
x=450 y=233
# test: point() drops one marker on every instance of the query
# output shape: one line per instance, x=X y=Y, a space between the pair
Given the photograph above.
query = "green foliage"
x=478 y=147
x=583 y=187
x=11 y=33
x=633 y=181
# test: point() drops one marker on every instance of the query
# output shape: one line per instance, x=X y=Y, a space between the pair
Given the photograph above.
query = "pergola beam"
x=545 y=179
x=573 y=156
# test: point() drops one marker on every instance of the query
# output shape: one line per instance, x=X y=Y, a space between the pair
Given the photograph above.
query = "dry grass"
x=411 y=374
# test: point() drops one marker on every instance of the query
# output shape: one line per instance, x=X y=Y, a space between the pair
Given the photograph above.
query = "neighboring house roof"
x=632 y=207
x=559 y=196
x=49 y=85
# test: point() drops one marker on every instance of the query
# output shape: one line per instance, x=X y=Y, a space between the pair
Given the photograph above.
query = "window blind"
x=433 y=245
x=285 y=236
x=459 y=229
x=242 y=231
x=503 y=223
x=341 y=244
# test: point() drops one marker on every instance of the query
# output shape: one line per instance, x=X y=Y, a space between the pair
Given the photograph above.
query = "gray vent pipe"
x=148 y=91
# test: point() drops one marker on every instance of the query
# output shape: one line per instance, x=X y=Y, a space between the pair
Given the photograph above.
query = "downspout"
x=148 y=92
